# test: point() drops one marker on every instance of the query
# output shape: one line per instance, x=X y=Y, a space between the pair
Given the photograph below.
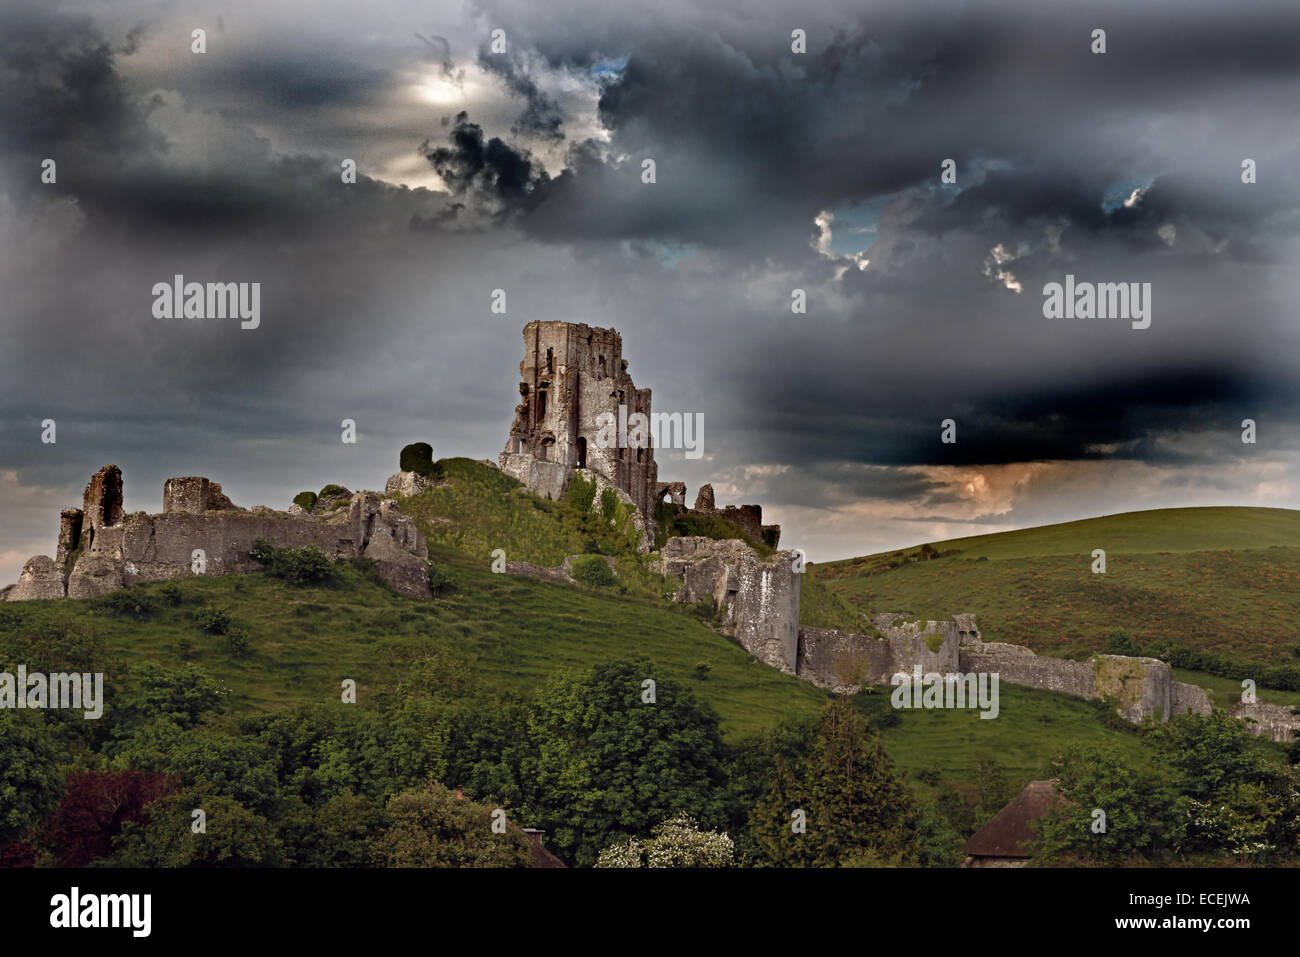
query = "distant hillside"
x=1156 y=530
x=1221 y=582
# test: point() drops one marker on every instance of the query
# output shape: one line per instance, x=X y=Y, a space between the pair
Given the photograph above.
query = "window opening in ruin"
x=582 y=453
x=550 y=360
x=541 y=404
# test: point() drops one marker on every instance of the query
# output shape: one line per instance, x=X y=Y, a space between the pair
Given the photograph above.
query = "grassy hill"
x=1156 y=530
x=1222 y=582
x=509 y=633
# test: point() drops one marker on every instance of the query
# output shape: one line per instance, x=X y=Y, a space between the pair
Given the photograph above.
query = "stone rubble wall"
x=97 y=556
x=562 y=572
x=1278 y=722
x=760 y=598
x=845 y=662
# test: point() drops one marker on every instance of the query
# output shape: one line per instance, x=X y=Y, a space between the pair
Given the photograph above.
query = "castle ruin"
x=574 y=382
x=201 y=532
x=571 y=375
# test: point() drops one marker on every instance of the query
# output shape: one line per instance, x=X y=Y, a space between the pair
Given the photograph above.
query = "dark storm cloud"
x=541 y=116
x=488 y=169
x=63 y=93
x=376 y=295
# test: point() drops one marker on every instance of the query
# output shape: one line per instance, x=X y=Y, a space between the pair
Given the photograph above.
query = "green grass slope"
x=1222 y=581
x=1156 y=530
x=510 y=633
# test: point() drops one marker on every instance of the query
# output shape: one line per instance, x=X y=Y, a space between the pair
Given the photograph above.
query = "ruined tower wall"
x=571 y=374
x=761 y=598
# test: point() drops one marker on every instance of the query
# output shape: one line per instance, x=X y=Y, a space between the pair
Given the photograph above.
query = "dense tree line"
x=619 y=764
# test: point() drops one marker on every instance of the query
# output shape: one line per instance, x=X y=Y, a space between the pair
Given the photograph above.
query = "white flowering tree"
x=677 y=842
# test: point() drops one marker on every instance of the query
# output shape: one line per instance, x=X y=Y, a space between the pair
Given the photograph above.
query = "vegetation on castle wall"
x=298 y=565
x=305 y=500
x=592 y=570
x=581 y=493
x=418 y=457
x=673 y=521
x=609 y=505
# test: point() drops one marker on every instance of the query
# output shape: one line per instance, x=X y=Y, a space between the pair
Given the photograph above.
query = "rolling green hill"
x=1222 y=583
x=1156 y=530
x=509 y=633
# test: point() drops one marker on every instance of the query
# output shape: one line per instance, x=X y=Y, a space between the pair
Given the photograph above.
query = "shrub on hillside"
x=237 y=638
x=332 y=489
x=298 y=566
x=306 y=500
x=418 y=457
x=609 y=504
x=128 y=604
x=592 y=570
x=214 y=619
x=440 y=579
x=1118 y=642
x=581 y=493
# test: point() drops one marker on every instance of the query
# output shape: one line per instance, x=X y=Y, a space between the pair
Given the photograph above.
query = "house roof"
x=541 y=856
x=1008 y=833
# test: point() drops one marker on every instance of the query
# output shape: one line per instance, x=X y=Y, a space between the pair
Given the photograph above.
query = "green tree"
x=609 y=762
x=418 y=457
x=31 y=779
x=991 y=784
x=1143 y=811
x=1238 y=801
x=434 y=828
x=232 y=835
x=857 y=810
x=186 y=697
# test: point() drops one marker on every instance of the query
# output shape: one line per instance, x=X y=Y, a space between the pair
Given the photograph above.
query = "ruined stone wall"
x=1188 y=697
x=1279 y=722
x=844 y=661
x=748 y=518
x=194 y=495
x=841 y=661
x=1141 y=687
x=761 y=598
x=139 y=547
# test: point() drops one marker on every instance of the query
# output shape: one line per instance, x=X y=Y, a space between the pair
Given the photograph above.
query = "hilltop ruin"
x=573 y=378
x=201 y=532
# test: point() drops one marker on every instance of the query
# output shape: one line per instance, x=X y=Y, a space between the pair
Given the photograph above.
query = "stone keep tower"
x=571 y=374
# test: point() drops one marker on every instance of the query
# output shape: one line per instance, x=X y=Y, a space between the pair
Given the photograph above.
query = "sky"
x=519 y=166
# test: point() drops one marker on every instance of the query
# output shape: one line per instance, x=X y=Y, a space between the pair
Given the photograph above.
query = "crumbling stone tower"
x=571 y=374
